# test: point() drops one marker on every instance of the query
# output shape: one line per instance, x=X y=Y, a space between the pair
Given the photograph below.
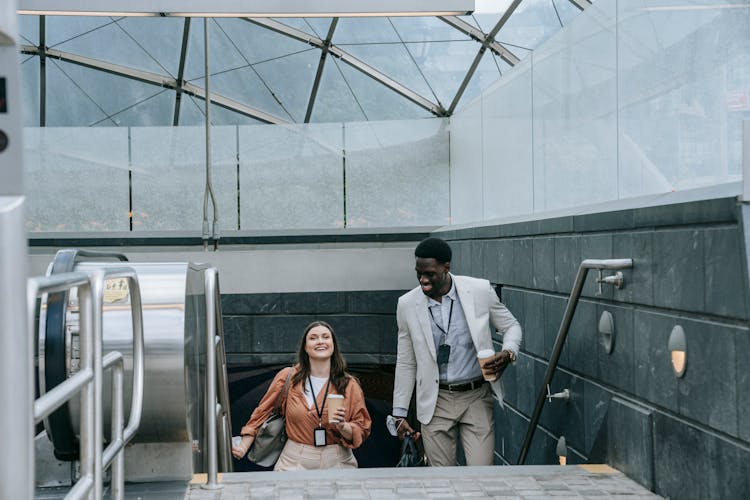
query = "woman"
x=320 y=371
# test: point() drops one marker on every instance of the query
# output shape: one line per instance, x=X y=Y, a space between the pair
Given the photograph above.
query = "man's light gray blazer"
x=416 y=362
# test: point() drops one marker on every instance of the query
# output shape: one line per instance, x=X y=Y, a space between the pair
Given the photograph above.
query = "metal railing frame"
x=88 y=380
x=215 y=411
x=562 y=334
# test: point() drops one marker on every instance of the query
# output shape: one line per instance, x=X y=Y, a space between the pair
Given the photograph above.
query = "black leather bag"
x=271 y=436
x=410 y=454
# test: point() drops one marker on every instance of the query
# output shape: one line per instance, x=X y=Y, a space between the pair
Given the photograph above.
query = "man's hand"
x=498 y=365
x=402 y=427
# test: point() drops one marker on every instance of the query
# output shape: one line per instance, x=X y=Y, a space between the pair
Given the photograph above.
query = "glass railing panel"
x=397 y=173
x=507 y=154
x=168 y=183
x=466 y=165
x=76 y=179
x=291 y=176
x=684 y=75
x=574 y=114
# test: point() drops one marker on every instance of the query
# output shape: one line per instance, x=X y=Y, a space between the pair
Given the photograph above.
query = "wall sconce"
x=562 y=450
x=677 y=346
x=607 y=331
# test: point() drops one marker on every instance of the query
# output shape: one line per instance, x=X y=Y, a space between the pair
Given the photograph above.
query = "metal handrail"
x=88 y=381
x=215 y=411
x=562 y=334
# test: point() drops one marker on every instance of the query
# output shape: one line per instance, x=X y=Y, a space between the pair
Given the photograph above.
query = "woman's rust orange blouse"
x=302 y=420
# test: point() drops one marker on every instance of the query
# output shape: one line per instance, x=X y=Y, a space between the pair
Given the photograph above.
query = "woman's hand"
x=344 y=427
x=241 y=450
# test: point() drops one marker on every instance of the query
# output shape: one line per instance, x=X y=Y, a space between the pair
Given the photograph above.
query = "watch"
x=511 y=355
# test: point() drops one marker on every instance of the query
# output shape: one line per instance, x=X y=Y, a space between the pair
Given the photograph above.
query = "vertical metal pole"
x=88 y=417
x=118 y=463
x=97 y=294
x=16 y=348
x=210 y=286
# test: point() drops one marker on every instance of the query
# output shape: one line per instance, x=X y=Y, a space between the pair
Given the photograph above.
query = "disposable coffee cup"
x=236 y=441
x=335 y=401
x=484 y=356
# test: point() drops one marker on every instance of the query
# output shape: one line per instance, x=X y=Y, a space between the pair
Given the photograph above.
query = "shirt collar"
x=451 y=295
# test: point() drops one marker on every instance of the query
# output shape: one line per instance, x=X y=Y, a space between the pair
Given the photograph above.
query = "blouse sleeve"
x=360 y=418
x=265 y=407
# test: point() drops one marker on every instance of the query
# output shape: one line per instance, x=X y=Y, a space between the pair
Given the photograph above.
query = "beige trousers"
x=469 y=414
x=297 y=456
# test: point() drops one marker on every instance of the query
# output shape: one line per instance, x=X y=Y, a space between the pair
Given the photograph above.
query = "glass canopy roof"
x=148 y=71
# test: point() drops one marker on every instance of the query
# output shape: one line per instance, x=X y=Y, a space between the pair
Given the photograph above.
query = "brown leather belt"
x=465 y=386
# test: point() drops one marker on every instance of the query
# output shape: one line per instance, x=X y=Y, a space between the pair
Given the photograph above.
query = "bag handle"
x=282 y=394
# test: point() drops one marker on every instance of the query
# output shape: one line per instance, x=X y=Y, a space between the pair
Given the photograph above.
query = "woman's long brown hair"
x=339 y=378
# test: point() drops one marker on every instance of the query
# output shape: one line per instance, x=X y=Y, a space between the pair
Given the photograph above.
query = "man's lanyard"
x=448 y=326
x=315 y=400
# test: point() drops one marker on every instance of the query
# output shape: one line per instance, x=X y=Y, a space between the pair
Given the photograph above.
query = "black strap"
x=315 y=400
x=448 y=326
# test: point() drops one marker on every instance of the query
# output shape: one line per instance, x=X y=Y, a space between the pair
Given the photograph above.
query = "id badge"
x=320 y=436
x=444 y=352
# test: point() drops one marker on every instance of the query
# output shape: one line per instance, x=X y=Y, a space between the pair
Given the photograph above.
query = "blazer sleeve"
x=265 y=407
x=406 y=362
x=359 y=419
x=504 y=321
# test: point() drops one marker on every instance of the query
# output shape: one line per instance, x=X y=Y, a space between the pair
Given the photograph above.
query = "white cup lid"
x=337 y=396
x=485 y=353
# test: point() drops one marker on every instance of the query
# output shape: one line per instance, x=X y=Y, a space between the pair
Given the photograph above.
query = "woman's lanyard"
x=320 y=431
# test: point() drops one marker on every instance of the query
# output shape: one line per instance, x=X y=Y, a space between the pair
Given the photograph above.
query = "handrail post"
x=210 y=406
x=562 y=334
x=87 y=314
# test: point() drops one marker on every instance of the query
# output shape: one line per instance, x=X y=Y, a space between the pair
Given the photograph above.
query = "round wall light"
x=677 y=346
x=607 y=331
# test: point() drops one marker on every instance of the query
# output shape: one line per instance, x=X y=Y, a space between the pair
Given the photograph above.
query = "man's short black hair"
x=434 y=248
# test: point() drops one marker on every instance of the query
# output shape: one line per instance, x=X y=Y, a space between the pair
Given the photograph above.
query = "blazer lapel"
x=467 y=304
x=424 y=321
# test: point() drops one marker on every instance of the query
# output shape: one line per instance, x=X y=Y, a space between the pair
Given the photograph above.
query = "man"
x=442 y=324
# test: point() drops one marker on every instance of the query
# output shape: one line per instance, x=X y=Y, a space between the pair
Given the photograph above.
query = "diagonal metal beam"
x=489 y=38
x=321 y=66
x=479 y=36
x=581 y=4
x=42 y=72
x=181 y=71
x=155 y=79
x=352 y=61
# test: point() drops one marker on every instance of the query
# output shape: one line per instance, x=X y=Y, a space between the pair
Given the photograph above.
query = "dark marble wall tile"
x=639 y=281
x=256 y=303
x=726 y=287
x=700 y=212
x=554 y=310
x=596 y=405
x=277 y=334
x=362 y=334
x=630 y=442
x=681 y=463
x=524 y=371
x=617 y=368
x=533 y=324
x=605 y=221
x=375 y=302
x=707 y=392
x=461 y=260
x=654 y=378
x=679 y=282
x=729 y=472
x=567 y=261
x=543 y=251
x=238 y=333
x=596 y=246
x=566 y=417
x=582 y=342
x=742 y=348
x=522 y=263
x=503 y=255
x=514 y=300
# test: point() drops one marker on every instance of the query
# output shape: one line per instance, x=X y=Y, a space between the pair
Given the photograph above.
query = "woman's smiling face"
x=319 y=343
